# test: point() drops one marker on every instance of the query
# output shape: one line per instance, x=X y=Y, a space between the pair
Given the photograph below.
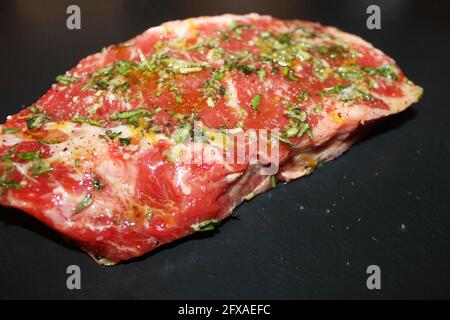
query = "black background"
x=385 y=202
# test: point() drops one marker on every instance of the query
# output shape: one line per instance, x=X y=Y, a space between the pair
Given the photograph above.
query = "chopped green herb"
x=160 y=61
x=347 y=93
x=85 y=203
x=334 y=89
x=255 y=102
x=179 y=98
x=50 y=141
x=122 y=67
x=133 y=116
x=284 y=38
x=223 y=129
x=373 y=84
x=112 y=134
x=8 y=155
x=222 y=90
x=285 y=141
x=289 y=73
x=66 y=79
x=103 y=71
x=127 y=114
x=10 y=130
x=36 y=108
x=111 y=77
x=205 y=225
x=246 y=69
x=97 y=184
x=319 y=69
x=238 y=27
x=40 y=167
x=291 y=131
x=29 y=155
x=212 y=87
x=298 y=125
x=386 y=71
x=273 y=181
x=304 y=128
x=364 y=95
x=6 y=183
x=93 y=109
x=87 y=120
x=125 y=141
x=296 y=114
x=218 y=52
x=262 y=75
x=350 y=72
x=170 y=157
x=9 y=185
x=318 y=108
x=149 y=214
x=203 y=44
x=180 y=135
x=302 y=96
x=331 y=51
x=36 y=121
x=218 y=75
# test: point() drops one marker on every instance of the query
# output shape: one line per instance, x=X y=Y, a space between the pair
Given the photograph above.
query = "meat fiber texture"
x=109 y=156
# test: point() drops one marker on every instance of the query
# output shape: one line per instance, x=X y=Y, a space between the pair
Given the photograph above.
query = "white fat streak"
x=119 y=176
x=211 y=153
x=134 y=52
x=84 y=139
x=76 y=176
x=111 y=97
x=23 y=167
x=223 y=20
x=11 y=139
x=64 y=201
x=181 y=30
x=181 y=182
x=233 y=176
x=89 y=99
x=54 y=214
x=232 y=95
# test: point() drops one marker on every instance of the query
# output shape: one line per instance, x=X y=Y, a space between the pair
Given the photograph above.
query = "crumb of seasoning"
x=255 y=102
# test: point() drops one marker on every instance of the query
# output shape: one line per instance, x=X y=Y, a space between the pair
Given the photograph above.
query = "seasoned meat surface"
x=114 y=154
